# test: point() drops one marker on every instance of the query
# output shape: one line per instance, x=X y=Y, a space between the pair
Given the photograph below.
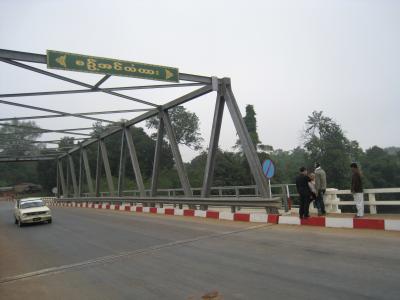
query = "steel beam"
x=135 y=162
x=42 y=59
x=122 y=165
x=42 y=130
x=67 y=180
x=245 y=140
x=40 y=71
x=80 y=174
x=88 y=174
x=73 y=176
x=63 y=116
x=177 y=155
x=26 y=158
x=58 y=180
x=98 y=170
x=107 y=169
x=178 y=101
x=98 y=90
x=61 y=113
x=101 y=81
x=157 y=156
x=213 y=146
x=62 y=179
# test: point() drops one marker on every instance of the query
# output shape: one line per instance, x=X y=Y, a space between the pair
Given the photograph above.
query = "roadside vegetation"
x=324 y=141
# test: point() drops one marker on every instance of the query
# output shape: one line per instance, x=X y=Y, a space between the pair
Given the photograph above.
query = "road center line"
x=111 y=258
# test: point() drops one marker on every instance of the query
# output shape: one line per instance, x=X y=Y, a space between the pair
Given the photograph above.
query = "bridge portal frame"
x=225 y=97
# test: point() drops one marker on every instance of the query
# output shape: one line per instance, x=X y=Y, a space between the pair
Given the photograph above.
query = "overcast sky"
x=286 y=57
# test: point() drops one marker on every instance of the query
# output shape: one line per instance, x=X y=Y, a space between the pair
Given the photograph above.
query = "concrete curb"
x=331 y=222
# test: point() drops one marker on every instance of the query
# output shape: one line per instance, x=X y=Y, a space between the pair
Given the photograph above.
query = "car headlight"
x=24 y=215
x=48 y=212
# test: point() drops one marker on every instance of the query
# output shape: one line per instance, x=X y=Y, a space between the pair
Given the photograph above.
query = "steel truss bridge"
x=224 y=97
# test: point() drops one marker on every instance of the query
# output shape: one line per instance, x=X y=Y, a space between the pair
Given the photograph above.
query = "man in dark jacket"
x=304 y=191
x=357 y=190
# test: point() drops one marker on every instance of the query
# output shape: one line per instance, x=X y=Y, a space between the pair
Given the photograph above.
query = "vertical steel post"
x=58 y=180
x=98 y=170
x=135 y=162
x=122 y=165
x=62 y=179
x=213 y=146
x=80 y=174
x=157 y=155
x=67 y=186
x=245 y=140
x=177 y=155
x=87 y=171
x=107 y=169
x=73 y=177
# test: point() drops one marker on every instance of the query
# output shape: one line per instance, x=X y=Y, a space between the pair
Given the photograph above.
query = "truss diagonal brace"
x=157 y=156
x=177 y=155
x=73 y=175
x=87 y=170
x=213 y=146
x=107 y=169
x=245 y=139
x=8 y=61
x=62 y=178
x=135 y=162
x=60 y=113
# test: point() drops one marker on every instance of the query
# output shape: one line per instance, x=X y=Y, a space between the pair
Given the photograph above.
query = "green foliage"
x=15 y=141
x=251 y=125
x=381 y=168
x=186 y=127
x=326 y=143
x=46 y=174
x=287 y=164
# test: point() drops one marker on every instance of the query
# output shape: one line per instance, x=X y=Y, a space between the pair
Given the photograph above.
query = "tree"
x=185 y=124
x=144 y=146
x=381 y=168
x=326 y=143
x=287 y=164
x=16 y=137
x=251 y=125
x=15 y=140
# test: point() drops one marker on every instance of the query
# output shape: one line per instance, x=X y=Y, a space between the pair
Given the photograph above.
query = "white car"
x=31 y=210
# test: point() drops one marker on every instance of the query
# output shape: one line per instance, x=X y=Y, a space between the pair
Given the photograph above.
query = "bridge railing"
x=334 y=199
x=372 y=198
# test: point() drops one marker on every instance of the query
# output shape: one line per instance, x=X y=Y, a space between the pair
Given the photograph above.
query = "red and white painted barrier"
x=332 y=222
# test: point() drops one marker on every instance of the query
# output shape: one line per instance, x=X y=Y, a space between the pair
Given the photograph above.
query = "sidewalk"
x=380 y=222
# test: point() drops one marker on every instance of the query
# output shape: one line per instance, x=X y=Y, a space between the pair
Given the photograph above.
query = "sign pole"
x=269 y=183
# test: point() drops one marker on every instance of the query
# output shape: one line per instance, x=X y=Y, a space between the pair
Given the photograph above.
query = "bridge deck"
x=99 y=254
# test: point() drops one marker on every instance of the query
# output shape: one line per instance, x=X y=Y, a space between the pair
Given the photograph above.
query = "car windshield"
x=32 y=204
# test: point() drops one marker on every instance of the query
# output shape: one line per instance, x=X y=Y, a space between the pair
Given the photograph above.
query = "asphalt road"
x=98 y=254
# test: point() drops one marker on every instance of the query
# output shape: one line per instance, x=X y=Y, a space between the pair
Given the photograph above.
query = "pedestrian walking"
x=304 y=191
x=357 y=190
x=320 y=186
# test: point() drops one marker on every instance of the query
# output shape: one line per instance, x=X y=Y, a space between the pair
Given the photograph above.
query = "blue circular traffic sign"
x=268 y=168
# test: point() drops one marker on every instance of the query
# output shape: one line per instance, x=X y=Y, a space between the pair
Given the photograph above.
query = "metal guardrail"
x=270 y=205
x=245 y=196
x=221 y=191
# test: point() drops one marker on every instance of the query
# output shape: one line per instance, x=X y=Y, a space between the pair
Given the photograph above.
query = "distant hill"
x=392 y=150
